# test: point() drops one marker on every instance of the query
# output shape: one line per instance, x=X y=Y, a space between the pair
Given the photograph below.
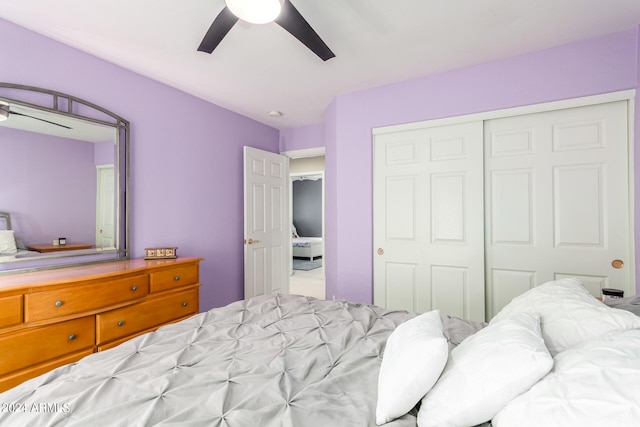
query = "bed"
x=11 y=247
x=305 y=247
x=288 y=360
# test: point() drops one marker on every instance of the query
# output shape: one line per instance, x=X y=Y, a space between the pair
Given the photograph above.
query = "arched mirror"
x=63 y=194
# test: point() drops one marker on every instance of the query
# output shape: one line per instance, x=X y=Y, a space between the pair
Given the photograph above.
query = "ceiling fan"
x=6 y=112
x=280 y=11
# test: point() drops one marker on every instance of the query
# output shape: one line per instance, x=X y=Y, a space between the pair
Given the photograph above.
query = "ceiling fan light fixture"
x=4 y=113
x=255 y=11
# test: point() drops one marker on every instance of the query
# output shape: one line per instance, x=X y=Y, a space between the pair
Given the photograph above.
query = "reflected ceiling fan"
x=6 y=112
x=262 y=12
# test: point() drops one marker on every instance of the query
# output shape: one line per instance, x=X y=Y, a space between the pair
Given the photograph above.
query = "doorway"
x=105 y=210
x=306 y=204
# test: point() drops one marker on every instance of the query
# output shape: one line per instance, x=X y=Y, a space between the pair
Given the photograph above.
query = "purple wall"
x=186 y=171
x=186 y=183
x=48 y=186
x=302 y=137
x=591 y=67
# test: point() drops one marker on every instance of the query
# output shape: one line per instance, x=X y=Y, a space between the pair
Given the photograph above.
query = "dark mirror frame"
x=53 y=102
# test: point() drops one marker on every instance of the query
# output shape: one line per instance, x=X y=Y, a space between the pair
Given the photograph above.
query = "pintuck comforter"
x=280 y=360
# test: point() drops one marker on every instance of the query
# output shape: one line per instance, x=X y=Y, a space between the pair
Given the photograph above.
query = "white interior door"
x=105 y=209
x=267 y=227
x=428 y=220
x=557 y=200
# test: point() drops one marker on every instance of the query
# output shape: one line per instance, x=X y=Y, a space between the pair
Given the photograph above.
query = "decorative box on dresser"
x=54 y=317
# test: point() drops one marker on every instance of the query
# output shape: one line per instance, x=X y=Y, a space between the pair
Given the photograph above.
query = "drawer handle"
x=120 y=323
x=72 y=337
x=58 y=303
x=176 y=278
x=184 y=304
x=134 y=288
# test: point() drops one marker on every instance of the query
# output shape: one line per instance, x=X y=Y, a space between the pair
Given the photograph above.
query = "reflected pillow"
x=486 y=371
x=414 y=356
x=7 y=242
x=569 y=314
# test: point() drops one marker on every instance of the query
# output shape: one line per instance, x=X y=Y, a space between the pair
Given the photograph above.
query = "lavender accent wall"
x=604 y=64
x=186 y=170
x=48 y=186
x=300 y=138
x=186 y=155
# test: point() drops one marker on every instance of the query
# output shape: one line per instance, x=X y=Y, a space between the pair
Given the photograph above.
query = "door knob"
x=380 y=251
x=251 y=241
x=617 y=263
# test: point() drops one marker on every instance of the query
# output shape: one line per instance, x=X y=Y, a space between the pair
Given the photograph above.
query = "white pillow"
x=593 y=385
x=486 y=371
x=7 y=242
x=569 y=314
x=413 y=359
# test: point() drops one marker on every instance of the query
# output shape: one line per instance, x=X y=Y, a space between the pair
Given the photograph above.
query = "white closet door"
x=557 y=200
x=428 y=220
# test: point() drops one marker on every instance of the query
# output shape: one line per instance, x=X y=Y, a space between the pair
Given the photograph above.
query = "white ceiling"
x=259 y=68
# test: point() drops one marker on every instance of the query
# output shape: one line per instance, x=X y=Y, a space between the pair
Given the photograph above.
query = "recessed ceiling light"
x=276 y=113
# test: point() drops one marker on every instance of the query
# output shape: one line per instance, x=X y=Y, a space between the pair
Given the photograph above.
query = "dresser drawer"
x=83 y=298
x=126 y=321
x=10 y=310
x=173 y=277
x=36 y=345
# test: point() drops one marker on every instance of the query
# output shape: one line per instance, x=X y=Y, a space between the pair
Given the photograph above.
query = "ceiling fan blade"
x=219 y=28
x=38 y=118
x=292 y=21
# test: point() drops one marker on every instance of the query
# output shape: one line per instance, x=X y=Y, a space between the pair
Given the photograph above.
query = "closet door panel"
x=450 y=288
x=428 y=220
x=576 y=200
x=399 y=273
x=579 y=208
x=512 y=201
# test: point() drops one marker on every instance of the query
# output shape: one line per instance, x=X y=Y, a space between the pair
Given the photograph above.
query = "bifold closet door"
x=428 y=220
x=557 y=201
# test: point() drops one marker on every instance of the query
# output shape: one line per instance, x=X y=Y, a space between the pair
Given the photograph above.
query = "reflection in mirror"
x=63 y=194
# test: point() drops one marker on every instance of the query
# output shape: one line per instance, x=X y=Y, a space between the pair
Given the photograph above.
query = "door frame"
x=625 y=95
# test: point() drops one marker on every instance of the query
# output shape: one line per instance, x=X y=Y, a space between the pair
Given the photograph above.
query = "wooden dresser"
x=54 y=317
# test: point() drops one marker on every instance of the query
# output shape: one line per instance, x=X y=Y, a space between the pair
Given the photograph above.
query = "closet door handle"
x=617 y=263
x=380 y=251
